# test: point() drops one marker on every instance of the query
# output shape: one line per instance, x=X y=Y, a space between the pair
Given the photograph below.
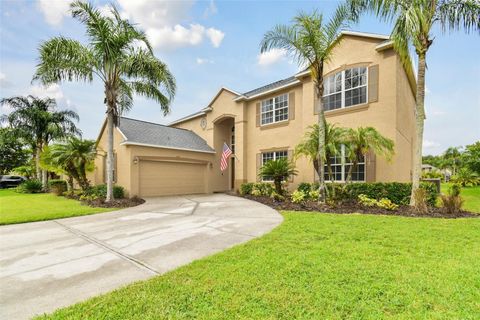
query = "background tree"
x=310 y=41
x=114 y=55
x=38 y=121
x=359 y=142
x=471 y=157
x=279 y=170
x=414 y=21
x=452 y=158
x=12 y=150
x=308 y=147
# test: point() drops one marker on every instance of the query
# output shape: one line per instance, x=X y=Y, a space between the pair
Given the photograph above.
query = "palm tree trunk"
x=419 y=125
x=70 y=184
x=44 y=179
x=110 y=127
x=38 y=150
x=321 y=138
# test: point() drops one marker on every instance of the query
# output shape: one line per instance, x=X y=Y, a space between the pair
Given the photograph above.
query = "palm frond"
x=457 y=14
x=64 y=59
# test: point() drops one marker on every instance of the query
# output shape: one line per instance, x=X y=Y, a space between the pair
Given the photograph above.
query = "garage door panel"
x=170 y=178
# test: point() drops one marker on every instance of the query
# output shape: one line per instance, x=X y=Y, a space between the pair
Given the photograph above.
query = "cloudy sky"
x=210 y=44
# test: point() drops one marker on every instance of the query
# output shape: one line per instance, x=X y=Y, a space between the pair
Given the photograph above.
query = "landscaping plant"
x=279 y=170
x=30 y=186
x=466 y=178
x=57 y=186
x=420 y=205
x=452 y=201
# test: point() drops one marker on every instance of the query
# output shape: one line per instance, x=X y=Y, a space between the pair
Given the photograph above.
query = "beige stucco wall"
x=392 y=115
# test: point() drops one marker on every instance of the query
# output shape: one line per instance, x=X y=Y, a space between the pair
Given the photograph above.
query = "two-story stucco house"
x=365 y=85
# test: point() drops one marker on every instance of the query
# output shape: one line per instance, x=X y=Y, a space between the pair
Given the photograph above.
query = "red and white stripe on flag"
x=226 y=152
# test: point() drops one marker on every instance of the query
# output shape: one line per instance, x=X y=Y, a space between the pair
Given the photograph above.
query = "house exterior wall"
x=391 y=114
x=129 y=157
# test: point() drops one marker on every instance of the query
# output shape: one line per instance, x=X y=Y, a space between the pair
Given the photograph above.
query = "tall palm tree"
x=120 y=55
x=75 y=157
x=452 y=158
x=308 y=147
x=37 y=121
x=310 y=41
x=414 y=21
x=359 y=142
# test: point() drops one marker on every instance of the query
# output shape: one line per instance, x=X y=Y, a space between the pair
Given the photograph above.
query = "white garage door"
x=171 y=178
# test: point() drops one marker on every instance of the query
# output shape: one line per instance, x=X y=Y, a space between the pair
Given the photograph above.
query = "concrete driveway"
x=51 y=264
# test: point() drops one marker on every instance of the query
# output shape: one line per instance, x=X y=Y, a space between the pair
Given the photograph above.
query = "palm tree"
x=76 y=157
x=308 y=147
x=452 y=158
x=38 y=122
x=414 y=21
x=359 y=142
x=279 y=170
x=119 y=55
x=310 y=41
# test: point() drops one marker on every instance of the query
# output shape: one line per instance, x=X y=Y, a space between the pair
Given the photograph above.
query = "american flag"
x=225 y=154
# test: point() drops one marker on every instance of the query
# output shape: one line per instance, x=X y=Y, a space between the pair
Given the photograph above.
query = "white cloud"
x=204 y=61
x=54 y=10
x=164 y=23
x=215 y=36
x=53 y=91
x=177 y=36
x=4 y=83
x=427 y=144
x=210 y=10
x=270 y=57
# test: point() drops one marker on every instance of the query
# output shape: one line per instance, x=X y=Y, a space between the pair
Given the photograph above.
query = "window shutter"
x=259 y=164
x=257 y=117
x=370 y=167
x=373 y=83
x=291 y=106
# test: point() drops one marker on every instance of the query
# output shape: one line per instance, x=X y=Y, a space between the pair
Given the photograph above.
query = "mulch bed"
x=116 y=203
x=352 y=207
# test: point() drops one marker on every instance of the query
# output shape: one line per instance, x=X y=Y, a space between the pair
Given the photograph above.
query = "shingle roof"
x=148 y=133
x=270 y=86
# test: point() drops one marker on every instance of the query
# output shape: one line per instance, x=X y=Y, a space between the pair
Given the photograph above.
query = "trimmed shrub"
x=57 y=186
x=30 y=186
x=382 y=203
x=100 y=191
x=298 y=196
x=432 y=193
x=262 y=189
x=305 y=187
x=246 y=188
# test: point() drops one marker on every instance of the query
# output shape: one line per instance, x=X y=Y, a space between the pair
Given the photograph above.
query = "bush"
x=100 y=191
x=305 y=187
x=382 y=203
x=262 y=189
x=30 y=186
x=466 y=178
x=420 y=197
x=298 y=196
x=57 y=186
x=246 y=188
x=452 y=201
x=277 y=196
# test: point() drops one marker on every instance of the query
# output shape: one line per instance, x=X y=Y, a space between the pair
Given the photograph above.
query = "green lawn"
x=18 y=207
x=471 y=195
x=317 y=266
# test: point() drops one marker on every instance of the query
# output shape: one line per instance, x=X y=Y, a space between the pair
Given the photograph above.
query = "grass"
x=18 y=207
x=317 y=266
x=471 y=195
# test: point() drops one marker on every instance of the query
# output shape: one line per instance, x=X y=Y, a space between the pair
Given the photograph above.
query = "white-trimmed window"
x=340 y=168
x=345 y=89
x=274 y=109
x=273 y=155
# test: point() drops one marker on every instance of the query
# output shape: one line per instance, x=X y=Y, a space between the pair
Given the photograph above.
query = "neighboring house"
x=365 y=85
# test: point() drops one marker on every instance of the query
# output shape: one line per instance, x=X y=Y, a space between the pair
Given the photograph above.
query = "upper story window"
x=345 y=88
x=274 y=109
